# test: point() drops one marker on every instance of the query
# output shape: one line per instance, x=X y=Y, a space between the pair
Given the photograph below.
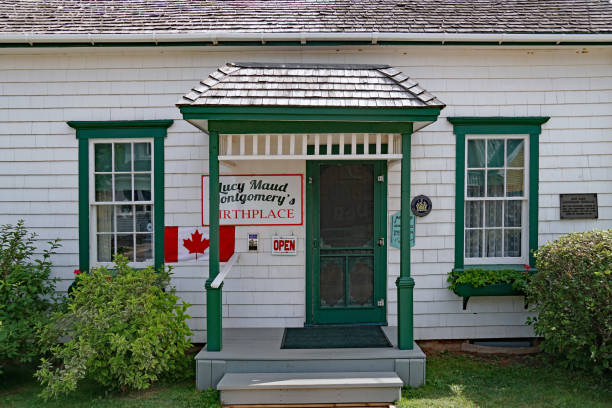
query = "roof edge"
x=304 y=38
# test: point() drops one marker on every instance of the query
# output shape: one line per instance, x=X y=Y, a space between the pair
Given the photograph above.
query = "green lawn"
x=453 y=380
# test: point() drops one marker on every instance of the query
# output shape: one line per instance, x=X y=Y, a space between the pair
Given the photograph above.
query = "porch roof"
x=309 y=85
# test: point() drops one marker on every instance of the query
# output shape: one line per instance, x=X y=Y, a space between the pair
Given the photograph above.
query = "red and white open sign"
x=284 y=245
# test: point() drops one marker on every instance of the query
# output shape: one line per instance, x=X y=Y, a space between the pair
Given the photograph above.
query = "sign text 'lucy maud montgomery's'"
x=257 y=199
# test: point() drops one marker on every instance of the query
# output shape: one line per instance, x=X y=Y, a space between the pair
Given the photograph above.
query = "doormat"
x=334 y=337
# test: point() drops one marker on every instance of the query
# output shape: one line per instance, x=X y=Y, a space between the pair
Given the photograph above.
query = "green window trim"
x=150 y=129
x=531 y=126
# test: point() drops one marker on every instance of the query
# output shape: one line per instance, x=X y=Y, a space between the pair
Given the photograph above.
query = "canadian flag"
x=191 y=244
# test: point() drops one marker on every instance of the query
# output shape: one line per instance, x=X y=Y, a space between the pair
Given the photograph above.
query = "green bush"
x=572 y=294
x=122 y=329
x=27 y=292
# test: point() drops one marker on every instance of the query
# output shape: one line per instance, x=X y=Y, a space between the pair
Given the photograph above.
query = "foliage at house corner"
x=478 y=277
x=125 y=330
x=572 y=294
x=27 y=292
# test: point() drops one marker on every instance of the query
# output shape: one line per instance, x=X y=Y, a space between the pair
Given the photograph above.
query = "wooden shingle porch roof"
x=309 y=85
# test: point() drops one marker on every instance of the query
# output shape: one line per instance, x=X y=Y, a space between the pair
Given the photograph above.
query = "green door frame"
x=372 y=315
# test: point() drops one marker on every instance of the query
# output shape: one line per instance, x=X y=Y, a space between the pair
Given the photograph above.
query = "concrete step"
x=310 y=388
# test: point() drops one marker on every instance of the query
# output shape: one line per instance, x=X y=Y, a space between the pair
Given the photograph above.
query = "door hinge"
x=315 y=243
x=381 y=178
x=309 y=180
x=381 y=303
x=381 y=242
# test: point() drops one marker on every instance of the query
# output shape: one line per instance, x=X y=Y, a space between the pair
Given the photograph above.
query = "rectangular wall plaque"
x=396 y=229
x=578 y=206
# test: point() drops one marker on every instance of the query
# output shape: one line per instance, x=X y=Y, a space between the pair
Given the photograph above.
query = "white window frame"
x=524 y=258
x=93 y=227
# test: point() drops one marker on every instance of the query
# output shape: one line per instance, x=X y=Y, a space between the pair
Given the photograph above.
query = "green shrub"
x=27 y=292
x=122 y=330
x=572 y=294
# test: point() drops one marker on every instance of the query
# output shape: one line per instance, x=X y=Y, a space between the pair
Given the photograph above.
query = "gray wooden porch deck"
x=257 y=350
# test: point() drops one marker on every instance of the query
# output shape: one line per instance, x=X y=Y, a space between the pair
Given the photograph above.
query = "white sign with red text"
x=256 y=199
x=284 y=245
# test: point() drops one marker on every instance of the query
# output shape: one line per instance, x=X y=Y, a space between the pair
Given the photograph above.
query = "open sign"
x=283 y=245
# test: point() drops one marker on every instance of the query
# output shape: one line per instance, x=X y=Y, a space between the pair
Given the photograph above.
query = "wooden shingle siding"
x=38 y=161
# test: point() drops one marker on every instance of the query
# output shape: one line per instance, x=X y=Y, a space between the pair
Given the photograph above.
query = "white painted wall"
x=42 y=89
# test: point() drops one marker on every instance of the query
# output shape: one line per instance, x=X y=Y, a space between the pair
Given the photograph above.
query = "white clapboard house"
x=355 y=151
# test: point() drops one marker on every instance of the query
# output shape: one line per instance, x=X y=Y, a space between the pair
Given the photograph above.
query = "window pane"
x=142 y=187
x=106 y=248
x=473 y=214
x=493 y=213
x=142 y=156
x=125 y=218
x=513 y=214
x=143 y=218
x=144 y=247
x=495 y=183
x=125 y=246
x=516 y=153
x=105 y=218
x=103 y=187
x=494 y=243
x=495 y=153
x=102 y=157
x=476 y=153
x=473 y=243
x=123 y=187
x=514 y=186
x=512 y=243
x=123 y=157
x=475 y=183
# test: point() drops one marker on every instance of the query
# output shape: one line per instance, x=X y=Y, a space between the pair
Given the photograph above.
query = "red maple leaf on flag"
x=197 y=244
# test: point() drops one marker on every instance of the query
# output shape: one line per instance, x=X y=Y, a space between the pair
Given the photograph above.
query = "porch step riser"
x=210 y=372
x=309 y=366
x=312 y=396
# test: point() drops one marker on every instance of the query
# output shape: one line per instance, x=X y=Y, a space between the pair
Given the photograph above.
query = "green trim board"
x=85 y=130
x=463 y=126
x=345 y=315
x=302 y=126
x=281 y=113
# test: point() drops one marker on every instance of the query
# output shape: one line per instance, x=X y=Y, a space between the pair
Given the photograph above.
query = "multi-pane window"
x=122 y=200
x=495 y=199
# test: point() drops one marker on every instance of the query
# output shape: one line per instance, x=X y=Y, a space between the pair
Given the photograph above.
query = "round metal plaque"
x=421 y=205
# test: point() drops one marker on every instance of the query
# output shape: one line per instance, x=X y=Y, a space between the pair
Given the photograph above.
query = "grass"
x=453 y=380
x=19 y=390
x=464 y=380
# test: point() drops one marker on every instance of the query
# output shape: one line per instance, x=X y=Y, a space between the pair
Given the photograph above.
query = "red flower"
x=527 y=267
x=108 y=278
x=77 y=271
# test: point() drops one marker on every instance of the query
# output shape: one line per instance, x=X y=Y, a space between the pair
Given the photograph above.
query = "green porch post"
x=405 y=284
x=213 y=295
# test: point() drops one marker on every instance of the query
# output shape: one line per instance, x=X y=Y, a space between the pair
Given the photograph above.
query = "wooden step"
x=310 y=388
